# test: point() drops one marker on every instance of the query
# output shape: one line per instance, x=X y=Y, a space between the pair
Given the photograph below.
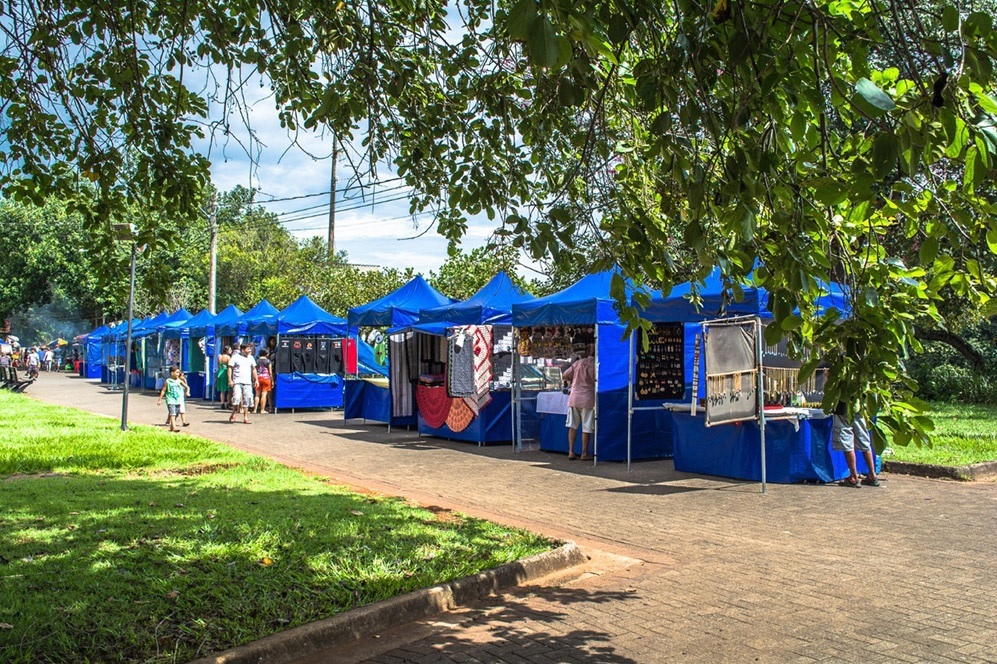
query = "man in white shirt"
x=243 y=380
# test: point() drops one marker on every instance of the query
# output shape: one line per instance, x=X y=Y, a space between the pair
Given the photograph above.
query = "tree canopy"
x=804 y=140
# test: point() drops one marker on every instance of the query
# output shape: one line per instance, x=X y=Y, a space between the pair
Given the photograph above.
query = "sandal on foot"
x=585 y=457
x=849 y=483
x=571 y=457
x=231 y=418
x=870 y=481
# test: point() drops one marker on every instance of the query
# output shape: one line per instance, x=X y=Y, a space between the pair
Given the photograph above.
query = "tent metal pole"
x=761 y=394
x=517 y=443
x=595 y=414
x=630 y=398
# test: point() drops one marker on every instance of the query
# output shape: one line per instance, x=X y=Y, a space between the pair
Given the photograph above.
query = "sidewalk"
x=684 y=568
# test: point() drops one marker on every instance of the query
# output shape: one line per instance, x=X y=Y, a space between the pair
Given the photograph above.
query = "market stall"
x=549 y=329
x=797 y=439
x=313 y=354
x=394 y=403
x=464 y=391
x=190 y=334
x=93 y=353
x=217 y=335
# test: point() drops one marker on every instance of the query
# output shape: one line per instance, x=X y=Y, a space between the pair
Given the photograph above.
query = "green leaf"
x=522 y=16
x=791 y=322
x=885 y=151
x=987 y=103
x=876 y=101
x=992 y=240
x=544 y=44
x=950 y=18
x=928 y=250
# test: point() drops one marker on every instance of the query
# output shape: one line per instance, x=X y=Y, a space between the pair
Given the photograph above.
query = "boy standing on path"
x=244 y=381
x=173 y=391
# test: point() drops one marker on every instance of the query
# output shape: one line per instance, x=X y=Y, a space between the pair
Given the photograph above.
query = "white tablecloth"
x=553 y=403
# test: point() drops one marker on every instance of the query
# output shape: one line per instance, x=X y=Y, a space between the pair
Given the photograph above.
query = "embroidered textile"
x=434 y=404
x=460 y=416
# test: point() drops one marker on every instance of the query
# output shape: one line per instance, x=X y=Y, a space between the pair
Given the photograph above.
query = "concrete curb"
x=299 y=642
x=976 y=471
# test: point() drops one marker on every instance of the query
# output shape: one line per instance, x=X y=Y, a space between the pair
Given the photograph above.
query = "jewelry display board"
x=544 y=350
x=661 y=368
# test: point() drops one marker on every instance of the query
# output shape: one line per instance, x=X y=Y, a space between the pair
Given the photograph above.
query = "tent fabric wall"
x=94 y=352
x=792 y=454
x=364 y=399
x=296 y=390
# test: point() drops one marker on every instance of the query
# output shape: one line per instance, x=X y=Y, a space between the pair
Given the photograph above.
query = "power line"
x=349 y=187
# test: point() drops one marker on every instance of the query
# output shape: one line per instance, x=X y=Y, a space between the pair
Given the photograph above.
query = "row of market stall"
x=488 y=370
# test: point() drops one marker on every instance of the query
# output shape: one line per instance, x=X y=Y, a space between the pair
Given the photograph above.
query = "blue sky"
x=375 y=230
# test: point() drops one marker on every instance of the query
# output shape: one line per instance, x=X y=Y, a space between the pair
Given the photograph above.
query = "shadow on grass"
x=168 y=567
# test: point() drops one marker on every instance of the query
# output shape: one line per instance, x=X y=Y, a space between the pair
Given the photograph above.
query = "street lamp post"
x=126 y=232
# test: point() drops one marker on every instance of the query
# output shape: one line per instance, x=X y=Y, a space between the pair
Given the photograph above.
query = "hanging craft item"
x=460 y=415
x=481 y=396
x=661 y=368
x=434 y=404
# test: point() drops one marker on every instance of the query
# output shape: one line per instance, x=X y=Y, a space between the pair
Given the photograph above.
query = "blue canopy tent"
x=192 y=357
x=216 y=341
x=795 y=451
x=150 y=351
x=491 y=305
x=589 y=302
x=400 y=308
x=310 y=377
x=260 y=320
x=113 y=369
x=93 y=354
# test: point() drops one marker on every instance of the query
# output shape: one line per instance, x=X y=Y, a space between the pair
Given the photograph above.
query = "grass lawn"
x=964 y=434
x=149 y=546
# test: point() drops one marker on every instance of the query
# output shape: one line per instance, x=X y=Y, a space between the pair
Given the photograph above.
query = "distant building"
x=364 y=267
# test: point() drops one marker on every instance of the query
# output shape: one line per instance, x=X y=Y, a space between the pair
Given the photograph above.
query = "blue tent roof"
x=98 y=334
x=400 y=307
x=196 y=326
x=303 y=316
x=586 y=302
x=173 y=322
x=491 y=305
x=119 y=332
x=224 y=319
x=258 y=320
x=718 y=301
x=149 y=325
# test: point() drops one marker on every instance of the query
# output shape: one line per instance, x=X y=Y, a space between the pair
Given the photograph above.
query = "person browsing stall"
x=243 y=379
x=581 y=400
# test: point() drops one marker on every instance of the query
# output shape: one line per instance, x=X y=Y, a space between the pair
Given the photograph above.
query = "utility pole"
x=213 y=253
x=332 y=201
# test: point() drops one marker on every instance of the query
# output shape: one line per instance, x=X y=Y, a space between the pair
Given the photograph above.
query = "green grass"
x=148 y=546
x=964 y=434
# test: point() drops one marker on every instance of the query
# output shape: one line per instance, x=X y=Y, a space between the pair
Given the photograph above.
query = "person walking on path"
x=173 y=392
x=183 y=396
x=244 y=380
x=581 y=401
x=264 y=371
x=221 y=377
x=846 y=437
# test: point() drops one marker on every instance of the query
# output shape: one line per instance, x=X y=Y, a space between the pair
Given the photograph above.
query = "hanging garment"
x=481 y=397
x=400 y=384
x=460 y=368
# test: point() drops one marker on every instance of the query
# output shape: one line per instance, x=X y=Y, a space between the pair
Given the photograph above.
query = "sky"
x=376 y=229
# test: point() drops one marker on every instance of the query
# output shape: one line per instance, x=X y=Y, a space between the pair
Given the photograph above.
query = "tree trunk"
x=975 y=359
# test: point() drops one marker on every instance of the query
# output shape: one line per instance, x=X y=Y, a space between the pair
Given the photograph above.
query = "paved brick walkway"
x=684 y=568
